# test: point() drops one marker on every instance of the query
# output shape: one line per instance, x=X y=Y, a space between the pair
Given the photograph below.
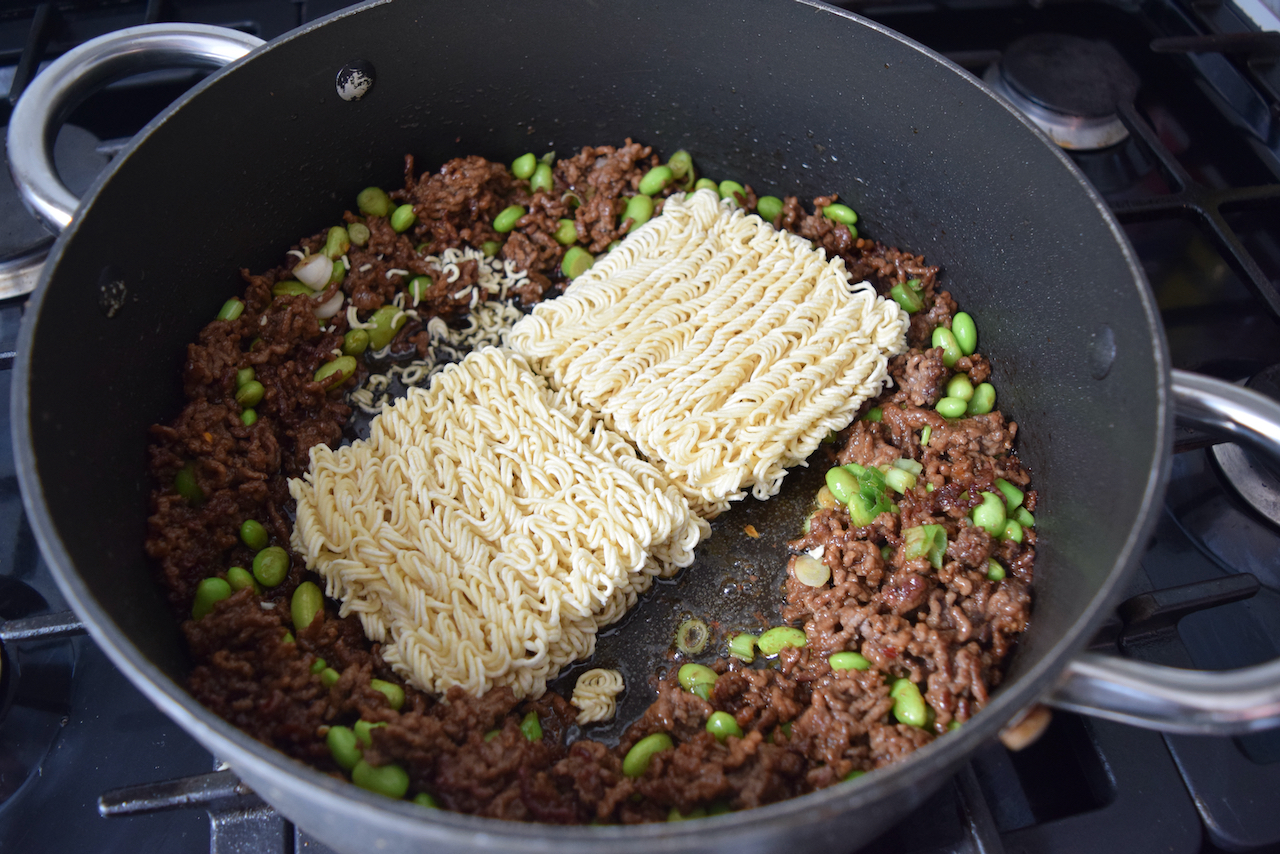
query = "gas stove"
x=1171 y=109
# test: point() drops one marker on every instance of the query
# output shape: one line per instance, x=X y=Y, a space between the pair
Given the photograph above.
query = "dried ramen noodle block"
x=488 y=527
x=724 y=349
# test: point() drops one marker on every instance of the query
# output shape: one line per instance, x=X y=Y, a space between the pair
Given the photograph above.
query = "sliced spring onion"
x=913 y=466
x=1024 y=518
x=692 y=636
x=899 y=480
x=743 y=647
x=1012 y=495
x=927 y=541
x=314 y=271
x=810 y=572
x=875 y=413
x=926 y=434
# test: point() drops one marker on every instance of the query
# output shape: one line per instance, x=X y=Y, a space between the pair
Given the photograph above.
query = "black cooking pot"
x=791 y=97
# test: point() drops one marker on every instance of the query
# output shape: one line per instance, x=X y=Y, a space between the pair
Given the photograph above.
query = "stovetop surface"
x=1209 y=159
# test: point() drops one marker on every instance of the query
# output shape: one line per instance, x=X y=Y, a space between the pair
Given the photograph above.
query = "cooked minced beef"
x=805 y=725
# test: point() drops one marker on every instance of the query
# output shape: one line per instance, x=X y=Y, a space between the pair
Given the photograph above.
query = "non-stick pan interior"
x=788 y=97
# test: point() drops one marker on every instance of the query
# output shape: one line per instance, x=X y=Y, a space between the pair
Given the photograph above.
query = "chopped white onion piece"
x=810 y=572
x=330 y=307
x=314 y=272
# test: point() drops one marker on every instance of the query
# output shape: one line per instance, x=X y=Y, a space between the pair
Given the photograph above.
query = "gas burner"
x=1254 y=481
x=1070 y=87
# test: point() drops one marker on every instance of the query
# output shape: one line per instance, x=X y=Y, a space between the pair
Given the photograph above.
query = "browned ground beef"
x=805 y=725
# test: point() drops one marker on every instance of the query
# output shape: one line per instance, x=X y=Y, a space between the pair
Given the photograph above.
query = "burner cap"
x=1255 y=480
x=1069 y=86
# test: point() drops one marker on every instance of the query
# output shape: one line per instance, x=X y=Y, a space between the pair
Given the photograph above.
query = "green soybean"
x=373 y=201
x=576 y=262
x=769 y=207
x=566 y=232
x=239 y=578
x=364 y=730
x=250 y=394
x=184 y=483
x=522 y=167
x=335 y=373
x=288 y=638
x=1024 y=517
x=490 y=248
x=243 y=376
x=697 y=812
x=840 y=213
x=953 y=725
x=848 y=661
x=291 y=288
x=208 y=592
x=318 y=666
x=359 y=233
x=733 y=191
x=1012 y=495
x=507 y=220
x=966 y=332
x=307 y=604
x=393 y=692
x=908 y=705
x=990 y=515
x=403 y=217
x=636 y=762
x=343 y=747
x=722 y=725
x=386 y=323
x=639 y=211
x=656 y=180
x=270 y=566
x=875 y=413
x=542 y=181
x=696 y=674
x=423 y=799
x=951 y=407
x=680 y=164
x=946 y=339
x=960 y=386
x=779 y=638
x=842 y=483
x=743 y=647
x=984 y=399
x=389 y=780
x=531 y=727
x=337 y=242
x=253 y=535
x=853 y=775
x=355 y=342
x=706 y=184
x=329 y=677
x=1012 y=531
x=231 y=309
x=905 y=297
x=995 y=571
x=491 y=735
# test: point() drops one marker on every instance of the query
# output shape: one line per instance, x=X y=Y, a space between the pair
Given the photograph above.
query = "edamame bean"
x=566 y=232
x=1012 y=495
x=990 y=515
x=848 y=661
x=960 y=386
x=491 y=735
x=695 y=674
x=853 y=775
x=253 y=535
x=185 y=484
x=389 y=780
x=336 y=243
x=706 y=184
x=306 y=605
x=946 y=339
x=359 y=233
x=842 y=483
x=743 y=647
x=639 y=211
x=490 y=248
x=393 y=692
x=636 y=762
x=995 y=571
x=953 y=725
x=343 y=746
x=522 y=167
x=231 y=309
x=656 y=180
x=419 y=286
x=984 y=399
x=908 y=705
x=270 y=566
x=243 y=376
x=542 y=181
x=905 y=297
x=531 y=727
x=403 y=217
x=769 y=207
x=680 y=164
x=318 y=666
x=507 y=220
x=208 y=592
x=288 y=638
x=1012 y=531
x=576 y=262
x=239 y=578
x=423 y=799
x=697 y=812
x=386 y=323
x=875 y=413
x=373 y=201
x=722 y=725
x=364 y=730
x=335 y=277
x=250 y=394
x=840 y=213
x=355 y=342
x=951 y=407
x=335 y=373
x=779 y=638
x=733 y=191
x=329 y=677
x=966 y=332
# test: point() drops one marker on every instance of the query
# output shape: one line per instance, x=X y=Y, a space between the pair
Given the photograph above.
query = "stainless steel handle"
x=1227 y=702
x=57 y=90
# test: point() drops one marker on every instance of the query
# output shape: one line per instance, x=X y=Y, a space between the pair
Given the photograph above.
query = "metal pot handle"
x=75 y=75
x=1228 y=702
